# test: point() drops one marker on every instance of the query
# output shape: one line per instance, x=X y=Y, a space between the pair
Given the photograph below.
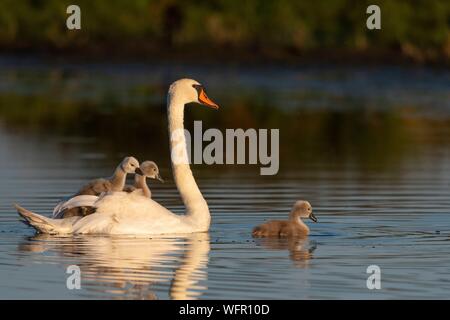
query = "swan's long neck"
x=140 y=182
x=197 y=211
x=118 y=179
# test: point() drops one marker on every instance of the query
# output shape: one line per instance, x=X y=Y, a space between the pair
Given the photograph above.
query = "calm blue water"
x=379 y=201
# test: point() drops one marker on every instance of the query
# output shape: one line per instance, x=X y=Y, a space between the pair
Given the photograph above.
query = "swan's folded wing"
x=95 y=223
x=77 y=201
x=124 y=213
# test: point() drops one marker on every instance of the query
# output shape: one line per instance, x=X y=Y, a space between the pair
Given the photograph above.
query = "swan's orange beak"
x=203 y=98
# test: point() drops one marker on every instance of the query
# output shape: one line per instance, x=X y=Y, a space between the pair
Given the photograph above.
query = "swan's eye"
x=197 y=87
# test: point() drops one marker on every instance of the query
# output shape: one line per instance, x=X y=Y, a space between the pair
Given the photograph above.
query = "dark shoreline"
x=225 y=56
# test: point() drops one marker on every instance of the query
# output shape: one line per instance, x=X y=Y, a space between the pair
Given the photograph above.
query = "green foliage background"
x=417 y=29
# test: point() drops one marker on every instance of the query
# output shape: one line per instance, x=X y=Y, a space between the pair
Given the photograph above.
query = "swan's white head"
x=188 y=91
x=302 y=209
x=149 y=169
x=129 y=165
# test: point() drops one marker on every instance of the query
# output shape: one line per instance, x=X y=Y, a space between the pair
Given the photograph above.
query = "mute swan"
x=130 y=213
x=290 y=228
x=148 y=169
x=78 y=204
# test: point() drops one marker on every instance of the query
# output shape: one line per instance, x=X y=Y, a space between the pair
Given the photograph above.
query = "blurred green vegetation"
x=276 y=29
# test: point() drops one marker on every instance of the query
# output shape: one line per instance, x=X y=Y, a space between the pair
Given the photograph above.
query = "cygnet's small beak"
x=158 y=177
x=139 y=171
x=313 y=217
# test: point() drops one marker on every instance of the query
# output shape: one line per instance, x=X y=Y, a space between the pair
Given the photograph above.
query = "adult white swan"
x=132 y=213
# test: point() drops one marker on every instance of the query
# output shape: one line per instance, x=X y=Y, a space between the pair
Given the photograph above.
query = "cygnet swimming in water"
x=293 y=227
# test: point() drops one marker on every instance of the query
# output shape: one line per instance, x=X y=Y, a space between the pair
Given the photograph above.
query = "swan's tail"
x=43 y=224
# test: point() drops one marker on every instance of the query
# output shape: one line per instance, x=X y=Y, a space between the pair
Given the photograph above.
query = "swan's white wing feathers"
x=77 y=201
x=131 y=213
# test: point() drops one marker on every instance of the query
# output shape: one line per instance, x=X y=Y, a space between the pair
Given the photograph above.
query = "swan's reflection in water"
x=300 y=249
x=131 y=268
